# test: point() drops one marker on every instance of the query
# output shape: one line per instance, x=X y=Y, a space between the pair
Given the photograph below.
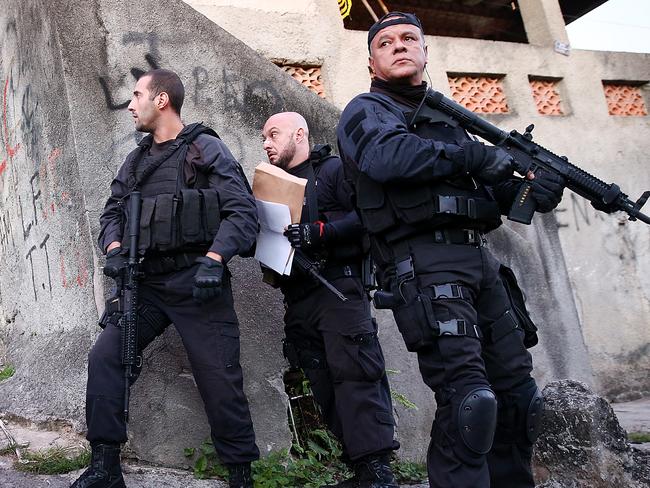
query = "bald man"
x=334 y=342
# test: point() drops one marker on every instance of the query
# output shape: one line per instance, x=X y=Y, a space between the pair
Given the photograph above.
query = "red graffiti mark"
x=3 y=166
x=56 y=152
x=82 y=276
x=11 y=151
x=64 y=280
x=65 y=196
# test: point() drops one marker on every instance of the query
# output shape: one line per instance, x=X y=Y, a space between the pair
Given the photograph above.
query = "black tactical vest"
x=398 y=210
x=174 y=217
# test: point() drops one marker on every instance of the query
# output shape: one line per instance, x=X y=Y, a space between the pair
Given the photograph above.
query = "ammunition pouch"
x=171 y=222
x=383 y=208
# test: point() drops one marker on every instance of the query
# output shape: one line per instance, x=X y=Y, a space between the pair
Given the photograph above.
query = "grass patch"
x=7 y=372
x=7 y=450
x=56 y=460
x=311 y=466
x=409 y=472
x=638 y=437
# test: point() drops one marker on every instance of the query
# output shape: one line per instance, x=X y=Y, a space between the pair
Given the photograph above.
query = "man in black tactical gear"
x=427 y=194
x=197 y=213
x=334 y=342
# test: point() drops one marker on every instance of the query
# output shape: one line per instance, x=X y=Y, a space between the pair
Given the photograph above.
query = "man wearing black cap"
x=428 y=194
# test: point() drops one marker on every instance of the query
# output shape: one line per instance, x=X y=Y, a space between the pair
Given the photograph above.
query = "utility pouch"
x=416 y=322
x=210 y=213
x=518 y=303
x=376 y=213
x=413 y=205
x=192 y=230
x=163 y=226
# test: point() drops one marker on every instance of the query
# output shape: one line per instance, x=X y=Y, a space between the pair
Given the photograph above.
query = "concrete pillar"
x=543 y=22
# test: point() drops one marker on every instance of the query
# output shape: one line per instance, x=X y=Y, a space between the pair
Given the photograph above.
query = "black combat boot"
x=239 y=475
x=370 y=472
x=374 y=472
x=104 y=470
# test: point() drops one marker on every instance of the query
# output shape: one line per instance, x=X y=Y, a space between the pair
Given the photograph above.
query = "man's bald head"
x=286 y=139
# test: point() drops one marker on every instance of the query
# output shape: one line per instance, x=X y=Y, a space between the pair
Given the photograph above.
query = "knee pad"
x=520 y=414
x=477 y=419
x=534 y=416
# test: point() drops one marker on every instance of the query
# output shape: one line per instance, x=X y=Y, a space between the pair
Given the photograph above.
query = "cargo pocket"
x=356 y=357
x=229 y=346
x=413 y=205
x=518 y=304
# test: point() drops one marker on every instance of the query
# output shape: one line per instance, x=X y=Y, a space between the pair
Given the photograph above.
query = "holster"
x=518 y=303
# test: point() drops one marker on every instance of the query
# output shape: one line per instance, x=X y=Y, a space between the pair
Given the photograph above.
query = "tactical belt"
x=476 y=209
x=469 y=237
x=160 y=264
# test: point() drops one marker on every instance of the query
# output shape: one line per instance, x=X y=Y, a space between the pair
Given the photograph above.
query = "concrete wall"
x=607 y=257
x=66 y=75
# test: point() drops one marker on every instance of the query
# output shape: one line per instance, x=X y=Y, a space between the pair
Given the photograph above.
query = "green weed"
x=7 y=372
x=56 y=460
x=638 y=437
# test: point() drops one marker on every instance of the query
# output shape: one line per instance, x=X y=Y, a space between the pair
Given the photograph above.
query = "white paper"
x=273 y=248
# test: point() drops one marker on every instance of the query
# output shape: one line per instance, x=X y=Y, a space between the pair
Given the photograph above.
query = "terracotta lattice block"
x=547 y=97
x=309 y=76
x=624 y=99
x=482 y=94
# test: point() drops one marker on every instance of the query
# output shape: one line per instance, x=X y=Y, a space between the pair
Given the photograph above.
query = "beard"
x=286 y=156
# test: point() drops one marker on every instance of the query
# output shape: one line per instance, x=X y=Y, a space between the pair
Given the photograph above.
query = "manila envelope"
x=273 y=184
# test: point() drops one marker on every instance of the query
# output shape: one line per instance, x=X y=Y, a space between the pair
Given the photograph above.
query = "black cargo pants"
x=459 y=319
x=210 y=334
x=341 y=356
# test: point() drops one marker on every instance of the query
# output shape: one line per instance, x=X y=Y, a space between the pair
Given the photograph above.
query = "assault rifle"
x=312 y=269
x=530 y=156
x=129 y=300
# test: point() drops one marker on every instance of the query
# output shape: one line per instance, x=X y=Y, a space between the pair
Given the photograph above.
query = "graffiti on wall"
x=35 y=198
x=578 y=215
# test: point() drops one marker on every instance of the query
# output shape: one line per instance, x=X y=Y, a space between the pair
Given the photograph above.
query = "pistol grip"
x=524 y=206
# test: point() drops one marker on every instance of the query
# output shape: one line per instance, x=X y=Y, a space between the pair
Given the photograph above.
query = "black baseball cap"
x=393 y=18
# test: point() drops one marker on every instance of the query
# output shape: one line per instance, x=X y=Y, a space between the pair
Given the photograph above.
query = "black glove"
x=547 y=189
x=488 y=164
x=207 y=280
x=116 y=261
x=306 y=236
x=605 y=207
